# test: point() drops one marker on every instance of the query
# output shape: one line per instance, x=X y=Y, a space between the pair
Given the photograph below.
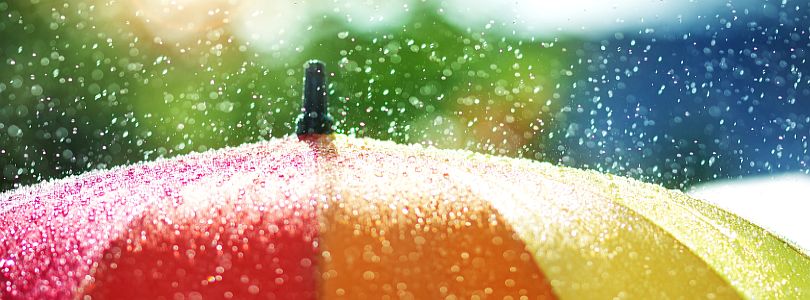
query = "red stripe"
x=240 y=256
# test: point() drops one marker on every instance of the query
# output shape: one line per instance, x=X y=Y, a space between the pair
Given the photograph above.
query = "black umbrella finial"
x=315 y=118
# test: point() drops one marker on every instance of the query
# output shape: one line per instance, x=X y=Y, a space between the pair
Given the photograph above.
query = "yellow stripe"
x=759 y=264
x=589 y=246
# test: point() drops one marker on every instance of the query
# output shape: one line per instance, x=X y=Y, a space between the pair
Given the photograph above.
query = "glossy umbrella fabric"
x=338 y=217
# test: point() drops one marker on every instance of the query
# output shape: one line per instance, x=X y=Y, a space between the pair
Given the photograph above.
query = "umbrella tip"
x=315 y=118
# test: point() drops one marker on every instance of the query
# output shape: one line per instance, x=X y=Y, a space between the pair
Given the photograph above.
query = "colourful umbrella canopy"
x=338 y=217
x=329 y=216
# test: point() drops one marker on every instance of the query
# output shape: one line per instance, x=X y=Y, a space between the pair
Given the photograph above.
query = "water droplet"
x=36 y=90
x=14 y=131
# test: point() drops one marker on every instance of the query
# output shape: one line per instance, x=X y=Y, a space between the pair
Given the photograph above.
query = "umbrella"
x=322 y=215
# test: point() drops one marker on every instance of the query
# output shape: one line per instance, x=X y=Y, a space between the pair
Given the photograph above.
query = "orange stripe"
x=382 y=238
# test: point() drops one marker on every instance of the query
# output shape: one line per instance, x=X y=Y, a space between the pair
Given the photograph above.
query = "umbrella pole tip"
x=315 y=118
x=314 y=65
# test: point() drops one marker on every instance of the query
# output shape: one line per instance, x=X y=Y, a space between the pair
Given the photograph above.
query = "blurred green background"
x=90 y=85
